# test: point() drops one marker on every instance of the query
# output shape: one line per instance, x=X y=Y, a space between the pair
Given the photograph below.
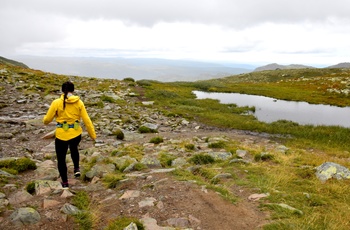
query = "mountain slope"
x=12 y=62
x=340 y=65
x=275 y=66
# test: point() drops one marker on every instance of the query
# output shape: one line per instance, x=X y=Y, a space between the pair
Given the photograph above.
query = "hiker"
x=68 y=111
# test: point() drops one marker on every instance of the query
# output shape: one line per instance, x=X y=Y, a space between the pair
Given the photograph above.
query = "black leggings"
x=61 y=152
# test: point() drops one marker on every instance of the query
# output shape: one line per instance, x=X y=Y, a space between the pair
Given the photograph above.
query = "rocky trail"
x=152 y=195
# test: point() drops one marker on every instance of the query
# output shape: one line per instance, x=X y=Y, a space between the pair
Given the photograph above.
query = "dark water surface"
x=269 y=109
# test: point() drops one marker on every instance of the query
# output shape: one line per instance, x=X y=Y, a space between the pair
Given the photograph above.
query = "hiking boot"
x=65 y=185
x=76 y=173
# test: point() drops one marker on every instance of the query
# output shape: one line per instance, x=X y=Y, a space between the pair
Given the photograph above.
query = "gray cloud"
x=25 y=23
x=235 y=13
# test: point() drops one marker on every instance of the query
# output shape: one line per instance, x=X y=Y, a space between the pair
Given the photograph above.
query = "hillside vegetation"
x=318 y=86
x=276 y=160
x=6 y=61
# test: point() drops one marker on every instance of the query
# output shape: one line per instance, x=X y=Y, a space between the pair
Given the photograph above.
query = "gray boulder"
x=151 y=162
x=70 y=209
x=220 y=155
x=25 y=216
x=330 y=170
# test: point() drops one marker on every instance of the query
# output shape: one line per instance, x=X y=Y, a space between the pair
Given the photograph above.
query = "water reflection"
x=269 y=109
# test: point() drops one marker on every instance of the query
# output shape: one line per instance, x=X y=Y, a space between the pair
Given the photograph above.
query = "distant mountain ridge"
x=164 y=70
x=148 y=68
x=340 y=65
x=275 y=66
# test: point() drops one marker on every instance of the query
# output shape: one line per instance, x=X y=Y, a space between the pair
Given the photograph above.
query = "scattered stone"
x=49 y=148
x=222 y=176
x=330 y=170
x=185 y=122
x=148 y=102
x=99 y=170
x=46 y=186
x=152 y=127
x=286 y=206
x=256 y=197
x=66 y=193
x=282 y=149
x=239 y=161
x=178 y=222
x=70 y=209
x=47 y=203
x=19 y=197
x=179 y=162
x=130 y=194
x=131 y=226
x=25 y=216
x=148 y=202
x=220 y=155
x=151 y=162
x=49 y=135
x=241 y=153
x=47 y=173
x=150 y=223
x=122 y=161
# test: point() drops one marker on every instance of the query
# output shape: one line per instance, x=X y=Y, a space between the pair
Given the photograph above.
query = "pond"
x=268 y=109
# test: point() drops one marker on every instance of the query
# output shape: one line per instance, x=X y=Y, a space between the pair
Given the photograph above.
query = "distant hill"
x=275 y=66
x=164 y=70
x=12 y=62
x=340 y=65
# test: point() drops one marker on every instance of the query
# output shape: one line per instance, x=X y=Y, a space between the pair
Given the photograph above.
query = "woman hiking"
x=68 y=111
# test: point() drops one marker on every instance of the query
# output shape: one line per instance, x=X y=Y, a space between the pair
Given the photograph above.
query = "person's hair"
x=67 y=87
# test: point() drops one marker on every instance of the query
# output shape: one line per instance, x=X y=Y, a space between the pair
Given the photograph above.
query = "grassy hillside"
x=320 y=86
x=317 y=86
x=11 y=62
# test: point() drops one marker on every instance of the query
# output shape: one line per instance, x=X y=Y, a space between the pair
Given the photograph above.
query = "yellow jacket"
x=75 y=110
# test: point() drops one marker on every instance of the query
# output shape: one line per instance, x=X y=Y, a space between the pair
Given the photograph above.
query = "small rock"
x=47 y=203
x=131 y=226
x=148 y=202
x=256 y=197
x=178 y=222
x=70 y=209
x=6 y=136
x=130 y=194
x=241 y=153
x=19 y=197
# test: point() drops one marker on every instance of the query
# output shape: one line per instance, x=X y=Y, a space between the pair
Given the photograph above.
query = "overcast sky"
x=315 y=32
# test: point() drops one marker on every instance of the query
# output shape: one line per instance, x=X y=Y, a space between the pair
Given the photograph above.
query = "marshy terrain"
x=166 y=160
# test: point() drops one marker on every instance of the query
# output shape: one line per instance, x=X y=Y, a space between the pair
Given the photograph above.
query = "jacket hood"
x=70 y=99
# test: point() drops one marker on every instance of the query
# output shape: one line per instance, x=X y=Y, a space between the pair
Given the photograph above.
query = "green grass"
x=201 y=159
x=119 y=134
x=16 y=166
x=121 y=222
x=84 y=218
x=166 y=159
x=289 y=178
x=112 y=180
x=156 y=140
x=213 y=113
